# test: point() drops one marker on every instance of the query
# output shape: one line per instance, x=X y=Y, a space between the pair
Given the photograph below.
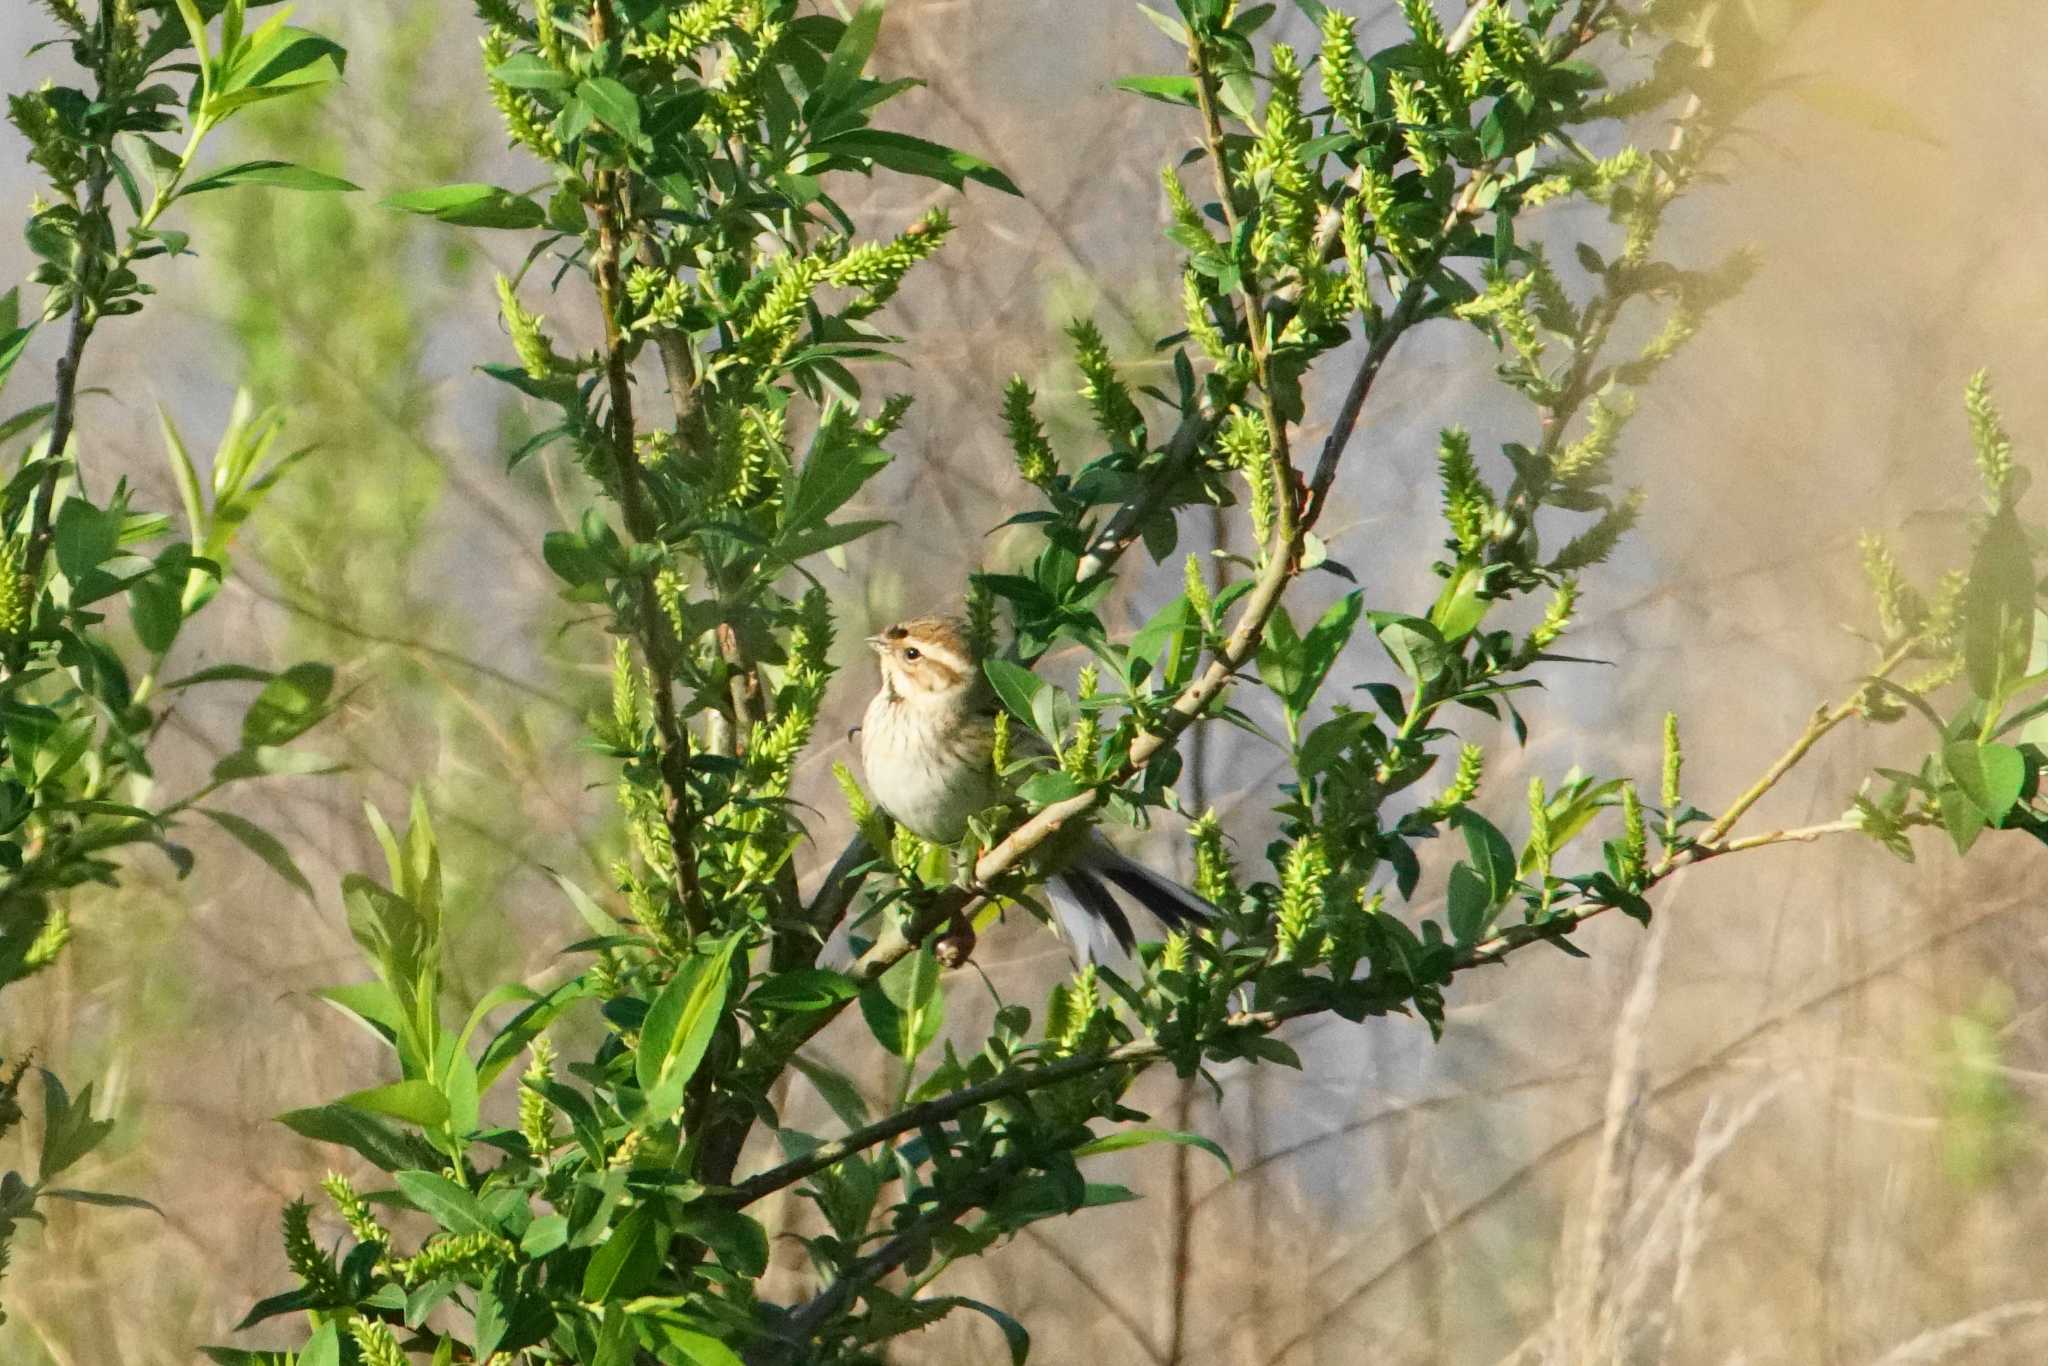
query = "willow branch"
x=656 y=640
x=803 y=1324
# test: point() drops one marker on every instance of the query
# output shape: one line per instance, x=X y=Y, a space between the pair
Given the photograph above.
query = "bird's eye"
x=912 y=654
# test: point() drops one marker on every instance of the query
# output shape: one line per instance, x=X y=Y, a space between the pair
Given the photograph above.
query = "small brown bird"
x=926 y=746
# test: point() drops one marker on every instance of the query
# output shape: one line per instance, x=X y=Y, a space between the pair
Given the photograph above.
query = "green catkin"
x=1464 y=784
x=1467 y=502
x=1674 y=763
x=1109 y=399
x=536 y=1113
x=1539 y=827
x=1988 y=436
x=17 y=591
x=1557 y=617
x=1901 y=611
x=1028 y=441
x=1197 y=588
x=1302 y=879
x=376 y=1344
x=1244 y=440
x=1635 y=841
x=1343 y=71
x=1598 y=541
x=354 y=1210
x=311 y=1265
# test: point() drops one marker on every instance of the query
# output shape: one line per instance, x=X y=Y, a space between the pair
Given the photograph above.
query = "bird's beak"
x=878 y=644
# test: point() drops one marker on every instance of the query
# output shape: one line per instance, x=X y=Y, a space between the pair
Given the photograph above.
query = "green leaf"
x=270 y=761
x=614 y=106
x=454 y=1208
x=805 y=989
x=531 y=71
x=838 y=1090
x=1013 y=1332
x=1471 y=902
x=1416 y=647
x=827 y=480
x=263 y=845
x=625 y=1262
x=415 y=1102
x=1016 y=685
x=850 y=54
x=1138 y=1138
x=1998 y=608
x=1167 y=89
x=679 y=1026
x=290 y=704
x=1991 y=776
x=103 y=1198
x=1323 y=643
x=85 y=537
x=1282 y=658
x=544 y=1235
x=471 y=206
x=916 y=156
x=904 y=1006
x=1960 y=817
x=1493 y=858
x=383 y=1145
x=69 y=1130
x=280 y=175
x=323 y=1348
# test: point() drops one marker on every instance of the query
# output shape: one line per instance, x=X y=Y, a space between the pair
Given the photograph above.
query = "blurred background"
x=1799 y=1121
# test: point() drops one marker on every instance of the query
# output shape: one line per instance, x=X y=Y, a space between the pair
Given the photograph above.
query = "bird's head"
x=925 y=658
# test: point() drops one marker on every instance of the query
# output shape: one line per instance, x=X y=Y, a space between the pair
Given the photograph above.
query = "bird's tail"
x=1087 y=907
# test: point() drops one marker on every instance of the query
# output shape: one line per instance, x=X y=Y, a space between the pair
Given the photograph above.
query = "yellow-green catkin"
x=877 y=268
x=1109 y=399
x=1468 y=503
x=1197 y=588
x=999 y=746
x=1245 y=441
x=865 y=817
x=1297 y=928
x=1993 y=446
x=354 y=1210
x=461 y=1254
x=1635 y=841
x=529 y=342
x=1215 y=878
x=1557 y=616
x=1539 y=827
x=1674 y=763
x=1079 y=760
x=375 y=1343
x=1901 y=611
x=1033 y=452
x=1464 y=784
x=1583 y=464
x=536 y=1113
x=1343 y=70
x=17 y=590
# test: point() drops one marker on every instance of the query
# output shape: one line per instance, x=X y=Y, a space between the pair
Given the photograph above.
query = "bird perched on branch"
x=926 y=745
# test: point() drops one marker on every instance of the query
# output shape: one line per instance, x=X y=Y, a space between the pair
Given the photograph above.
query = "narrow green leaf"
x=280 y=175
x=415 y=1102
x=1138 y=1138
x=626 y=1261
x=471 y=206
x=263 y=845
x=678 y=1028
x=454 y=1208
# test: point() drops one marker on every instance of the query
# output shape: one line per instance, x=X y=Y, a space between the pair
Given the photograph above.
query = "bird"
x=927 y=744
